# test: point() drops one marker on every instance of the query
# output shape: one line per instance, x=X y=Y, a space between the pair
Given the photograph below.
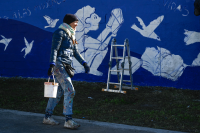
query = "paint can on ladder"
x=50 y=88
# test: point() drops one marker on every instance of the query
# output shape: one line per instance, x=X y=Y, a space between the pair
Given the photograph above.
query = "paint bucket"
x=50 y=89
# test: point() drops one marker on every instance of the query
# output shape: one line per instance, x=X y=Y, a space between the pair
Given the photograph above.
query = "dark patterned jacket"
x=63 y=49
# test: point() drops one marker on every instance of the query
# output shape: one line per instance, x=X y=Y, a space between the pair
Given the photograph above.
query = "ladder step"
x=118 y=45
x=116 y=91
x=116 y=70
x=126 y=87
x=119 y=57
x=114 y=83
x=126 y=81
x=119 y=70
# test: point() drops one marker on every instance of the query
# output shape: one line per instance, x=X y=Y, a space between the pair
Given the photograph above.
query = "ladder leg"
x=110 y=63
x=122 y=72
x=117 y=64
x=130 y=63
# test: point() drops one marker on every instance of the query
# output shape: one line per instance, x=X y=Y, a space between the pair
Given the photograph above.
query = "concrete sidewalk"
x=12 y=121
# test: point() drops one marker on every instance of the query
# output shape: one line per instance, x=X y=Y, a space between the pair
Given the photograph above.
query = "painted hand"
x=115 y=21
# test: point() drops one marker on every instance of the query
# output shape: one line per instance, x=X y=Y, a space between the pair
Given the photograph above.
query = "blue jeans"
x=65 y=87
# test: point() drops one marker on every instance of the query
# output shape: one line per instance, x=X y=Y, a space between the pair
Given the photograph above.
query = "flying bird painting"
x=5 y=41
x=28 y=47
x=191 y=37
x=50 y=21
x=148 y=31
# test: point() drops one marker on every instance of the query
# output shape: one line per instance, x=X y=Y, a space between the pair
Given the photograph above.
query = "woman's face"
x=93 y=21
x=74 y=24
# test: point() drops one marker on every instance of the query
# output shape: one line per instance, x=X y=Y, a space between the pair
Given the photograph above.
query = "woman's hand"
x=51 y=69
x=87 y=68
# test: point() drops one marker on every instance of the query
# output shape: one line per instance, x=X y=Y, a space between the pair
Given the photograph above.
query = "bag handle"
x=53 y=79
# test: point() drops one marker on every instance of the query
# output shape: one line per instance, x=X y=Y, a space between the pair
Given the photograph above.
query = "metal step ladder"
x=120 y=72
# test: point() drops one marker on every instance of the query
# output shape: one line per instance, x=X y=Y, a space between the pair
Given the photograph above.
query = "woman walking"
x=64 y=48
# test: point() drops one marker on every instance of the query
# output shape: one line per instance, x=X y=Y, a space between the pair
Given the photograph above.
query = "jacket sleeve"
x=56 y=43
x=78 y=56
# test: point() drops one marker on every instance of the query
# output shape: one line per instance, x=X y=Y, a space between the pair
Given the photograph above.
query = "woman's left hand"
x=87 y=68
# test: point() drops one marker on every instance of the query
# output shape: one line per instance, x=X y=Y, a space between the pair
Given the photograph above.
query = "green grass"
x=155 y=107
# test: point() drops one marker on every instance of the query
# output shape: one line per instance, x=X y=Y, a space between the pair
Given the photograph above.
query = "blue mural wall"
x=164 y=37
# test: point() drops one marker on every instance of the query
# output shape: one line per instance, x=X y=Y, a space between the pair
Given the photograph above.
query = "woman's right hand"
x=51 y=69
